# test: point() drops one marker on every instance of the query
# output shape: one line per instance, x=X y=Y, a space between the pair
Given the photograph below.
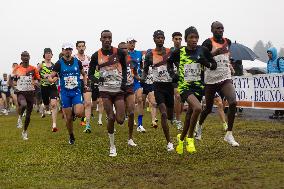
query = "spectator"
x=275 y=65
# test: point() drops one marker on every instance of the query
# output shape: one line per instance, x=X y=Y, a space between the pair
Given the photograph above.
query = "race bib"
x=162 y=74
x=149 y=78
x=192 y=72
x=112 y=78
x=70 y=82
x=25 y=83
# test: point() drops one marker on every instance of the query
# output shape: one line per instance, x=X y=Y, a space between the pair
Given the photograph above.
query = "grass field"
x=46 y=160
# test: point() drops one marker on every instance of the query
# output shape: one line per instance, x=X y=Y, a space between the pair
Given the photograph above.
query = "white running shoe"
x=5 y=112
x=230 y=139
x=131 y=143
x=112 y=151
x=141 y=129
x=25 y=135
x=19 y=123
x=198 y=131
x=170 y=147
x=100 y=123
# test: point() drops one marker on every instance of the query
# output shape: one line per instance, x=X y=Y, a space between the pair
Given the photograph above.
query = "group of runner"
x=120 y=80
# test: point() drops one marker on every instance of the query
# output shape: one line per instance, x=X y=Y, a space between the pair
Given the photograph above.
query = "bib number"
x=192 y=72
x=71 y=82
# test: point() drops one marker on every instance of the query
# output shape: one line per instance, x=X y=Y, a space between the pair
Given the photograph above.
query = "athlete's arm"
x=208 y=60
x=83 y=73
x=53 y=77
x=147 y=63
x=173 y=60
x=92 y=66
x=123 y=59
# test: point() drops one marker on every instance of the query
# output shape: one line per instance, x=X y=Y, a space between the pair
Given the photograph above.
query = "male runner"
x=164 y=91
x=219 y=80
x=136 y=57
x=48 y=89
x=111 y=64
x=69 y=69
x=190 y=61
x=25 y=77
x=5 y=93
x=129 y=93
x=177 y=38
x=87 y=92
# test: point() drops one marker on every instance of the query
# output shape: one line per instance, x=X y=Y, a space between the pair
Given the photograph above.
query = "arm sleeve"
x=208 y=44
x=92 y=66
x=173 y=60
x=209 y=57
x=147 y=63
x=57 y=67
x=122 y=57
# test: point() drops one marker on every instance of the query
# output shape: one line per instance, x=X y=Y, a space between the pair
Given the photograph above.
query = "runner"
x=26 y=77
x=136 y=57
x=5 y=93
x=177 y=38
x=219 y=80
x=111 y=64
x=87 y=92
x=129 y=94
x=190 y=62
x=164 y=91
x=148 y=93
x=68 y=69
x=220 y=108
x=48 y=89
x=12 y=88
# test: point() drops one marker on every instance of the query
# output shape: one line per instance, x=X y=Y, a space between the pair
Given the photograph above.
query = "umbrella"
x=256 y=70
x=241 y=52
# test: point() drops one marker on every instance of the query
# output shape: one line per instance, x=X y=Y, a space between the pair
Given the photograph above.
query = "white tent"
x=253 y=64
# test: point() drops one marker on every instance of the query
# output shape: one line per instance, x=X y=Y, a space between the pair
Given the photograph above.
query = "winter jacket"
x=272 y=63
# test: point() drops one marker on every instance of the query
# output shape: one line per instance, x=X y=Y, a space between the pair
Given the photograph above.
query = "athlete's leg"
x=218 y=102
x=88 y=107
x=119 y=109
x=4 y=98
x=151 y=98
x=139 y=100
x=53 y=107
x=69 y=119
x=163 y=110
x=101 y=110
x=228 y=90
x=210 y=91
x=30 y=103
x=177 y=105
x=130 y=104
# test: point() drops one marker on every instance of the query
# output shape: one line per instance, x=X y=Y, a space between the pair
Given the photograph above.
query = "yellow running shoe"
x=190 y=145
x=179 y=148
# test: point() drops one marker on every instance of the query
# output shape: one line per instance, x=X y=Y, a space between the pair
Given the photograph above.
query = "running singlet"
x=130 y=71
x=111 y=70
x=136 y=57
x=69 y=76
x=222 y=72
x=160 y=72
x=85 y=63
x=25 y=77
x=43 y=71
x=190 y=71
x=4 y=86
x=150 y=77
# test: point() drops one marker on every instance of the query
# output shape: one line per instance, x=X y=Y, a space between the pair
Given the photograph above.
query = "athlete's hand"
x=219 y=51
x=101 y=79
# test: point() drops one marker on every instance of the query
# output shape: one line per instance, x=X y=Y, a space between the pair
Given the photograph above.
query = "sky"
x=33 y=25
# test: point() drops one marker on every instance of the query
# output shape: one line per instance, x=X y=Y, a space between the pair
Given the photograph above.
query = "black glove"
x=123 y=86
x=101 y=79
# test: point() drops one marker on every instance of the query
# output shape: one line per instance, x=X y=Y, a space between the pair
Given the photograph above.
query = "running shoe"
x=19 y=123
x=225 y=126
x=5 y=112
x=190 y=145
x=170 y=147
x=87 y=129
x=54 y=129
x=131 y=143
x=198 y=131
x=179 y=125
x=100 y=123
x=154 y=124
x=71 y=139
x=83 y=123
x=141 y=129
x=230 y=139
x=156 y=120
x=112 y=151
x=274 y=116
x=25 y=135
x=179 y=148
x=126 y=117
x=42 y=115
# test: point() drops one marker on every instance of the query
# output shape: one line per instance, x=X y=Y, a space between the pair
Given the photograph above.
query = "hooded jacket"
x=272 y=63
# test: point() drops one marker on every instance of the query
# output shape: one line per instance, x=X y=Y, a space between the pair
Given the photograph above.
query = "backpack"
x=278 y=62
